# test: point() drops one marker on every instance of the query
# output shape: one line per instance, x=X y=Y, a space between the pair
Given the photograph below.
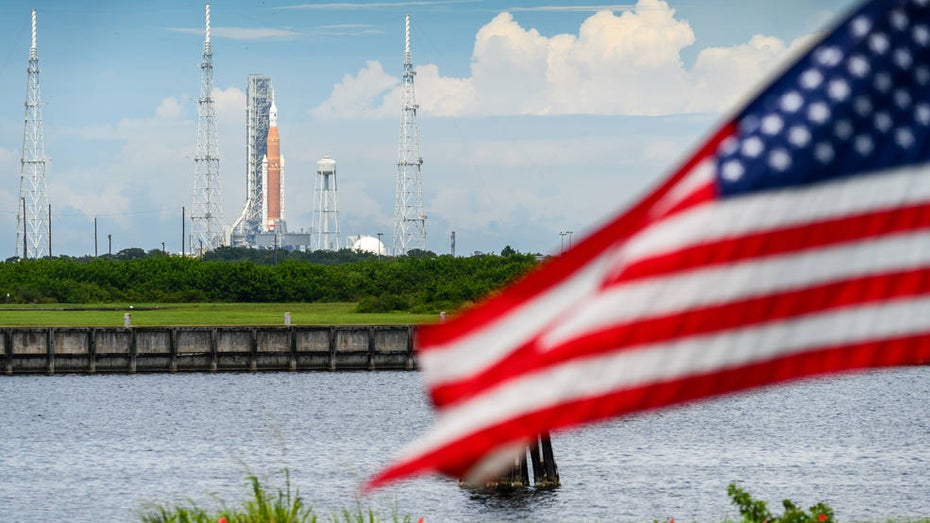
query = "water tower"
x=325 y=231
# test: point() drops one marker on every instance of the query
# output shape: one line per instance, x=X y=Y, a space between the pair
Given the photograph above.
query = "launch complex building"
x=261 y=223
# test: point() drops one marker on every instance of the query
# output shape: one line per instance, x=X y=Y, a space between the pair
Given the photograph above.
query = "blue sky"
x=536 y=117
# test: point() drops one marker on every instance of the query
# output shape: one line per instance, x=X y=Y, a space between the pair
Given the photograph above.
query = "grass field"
x=192 y=314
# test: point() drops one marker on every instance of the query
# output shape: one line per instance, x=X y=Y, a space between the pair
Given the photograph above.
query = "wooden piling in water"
x=541 y=458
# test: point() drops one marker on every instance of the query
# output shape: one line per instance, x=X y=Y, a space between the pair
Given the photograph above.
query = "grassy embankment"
x=194 y=314
x=287 y=506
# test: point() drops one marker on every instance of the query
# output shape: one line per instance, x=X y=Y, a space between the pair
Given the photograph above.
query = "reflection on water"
x=95 y=448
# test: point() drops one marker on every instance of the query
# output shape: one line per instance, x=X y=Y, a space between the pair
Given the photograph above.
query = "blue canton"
x=858 y=102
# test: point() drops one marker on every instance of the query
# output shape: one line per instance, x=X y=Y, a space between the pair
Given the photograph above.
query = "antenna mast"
x=409 y=218
x=207 y=211
x=33 y=220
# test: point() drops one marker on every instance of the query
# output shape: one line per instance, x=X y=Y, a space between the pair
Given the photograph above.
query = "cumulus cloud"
x=228 y=104
x=621 y=62
x=169 y=109
x=153 y=159
x=359 y=96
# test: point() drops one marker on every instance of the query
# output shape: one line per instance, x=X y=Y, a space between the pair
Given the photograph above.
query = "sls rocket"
x=273 y=177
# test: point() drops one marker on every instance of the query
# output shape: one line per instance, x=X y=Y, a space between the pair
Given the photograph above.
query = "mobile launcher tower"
x=261 y=223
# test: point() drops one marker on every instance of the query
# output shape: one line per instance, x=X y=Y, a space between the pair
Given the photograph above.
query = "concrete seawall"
x=86 y=350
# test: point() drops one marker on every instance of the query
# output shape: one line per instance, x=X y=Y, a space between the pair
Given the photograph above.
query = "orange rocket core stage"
x=274 y=176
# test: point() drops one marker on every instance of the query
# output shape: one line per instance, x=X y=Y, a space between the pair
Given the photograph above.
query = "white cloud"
x=108 y=200
x=229 y=105
x=626 y=63
x=359 y=96
x=168 y=109
x=149 y=172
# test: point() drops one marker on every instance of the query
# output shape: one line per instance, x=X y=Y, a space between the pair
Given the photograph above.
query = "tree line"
x=418 y=282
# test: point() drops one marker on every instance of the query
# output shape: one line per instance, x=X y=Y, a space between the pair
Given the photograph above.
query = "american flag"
x=794 y=242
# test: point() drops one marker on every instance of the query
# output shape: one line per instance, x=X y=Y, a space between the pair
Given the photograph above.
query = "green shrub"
x=756 y=511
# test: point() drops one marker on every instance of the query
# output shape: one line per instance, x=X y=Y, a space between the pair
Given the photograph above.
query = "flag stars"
x=883 y=121
x=749 y=125
x=799 y=136
x=878 y=43
x=922 y=114
x=902 y=98
x=921 y=35
x=728 y=146
x=829 y=56
x=823 y=152
x=752 y=147
x=732 y=171
x=811 y=79
x=858 y=66
x=838 y=90
x=818 y=112
x=903 y=58
x=903 y=137
x=863 y=145
x=861 y=94
x=772 y=124
x=779 y=159
x=899 y=19
x=882 y=82
x=860 y=26
x=791 y=102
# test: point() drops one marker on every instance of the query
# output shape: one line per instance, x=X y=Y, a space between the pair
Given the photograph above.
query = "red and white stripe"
x=683 y=297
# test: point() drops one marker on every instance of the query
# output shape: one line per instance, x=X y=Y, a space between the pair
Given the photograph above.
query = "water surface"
x=97 y=448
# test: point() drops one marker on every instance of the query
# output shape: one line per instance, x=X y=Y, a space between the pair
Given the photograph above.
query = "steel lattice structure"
x=32 y=232
x=409 y=218
x=207 y=211
x=259 y=95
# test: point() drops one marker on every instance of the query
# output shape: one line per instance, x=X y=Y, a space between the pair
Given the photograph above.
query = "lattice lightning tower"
x=32 y=234
x=207 y=211
x=409 y=219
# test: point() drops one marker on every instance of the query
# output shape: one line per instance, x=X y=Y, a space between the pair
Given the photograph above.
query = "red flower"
x=221 y=520
x=821 y=517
